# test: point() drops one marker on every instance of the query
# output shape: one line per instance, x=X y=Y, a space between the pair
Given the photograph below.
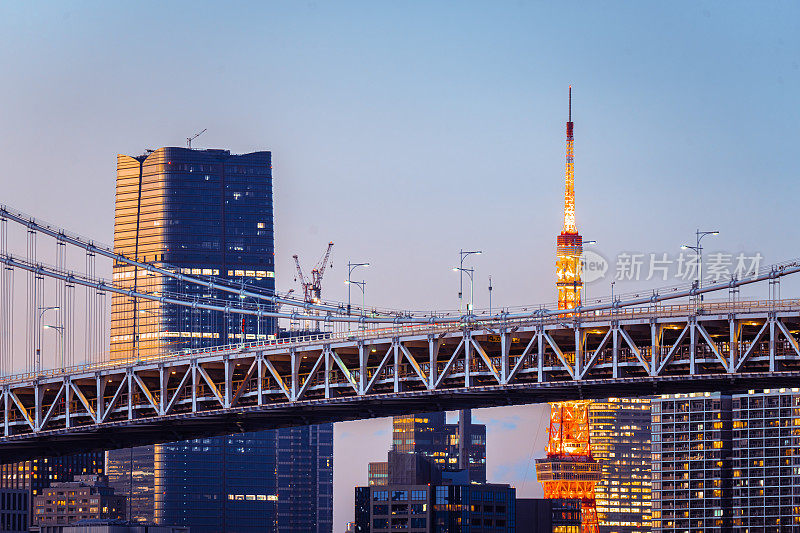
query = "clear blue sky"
x=404 y=131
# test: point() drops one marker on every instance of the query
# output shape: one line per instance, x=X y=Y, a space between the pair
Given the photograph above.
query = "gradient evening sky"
x=404 y=131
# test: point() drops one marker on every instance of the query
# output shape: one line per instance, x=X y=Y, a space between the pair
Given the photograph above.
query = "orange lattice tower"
x=569 y=244
x=569 y=471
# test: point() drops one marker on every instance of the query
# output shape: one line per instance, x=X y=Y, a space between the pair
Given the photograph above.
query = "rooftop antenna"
x=193 y=137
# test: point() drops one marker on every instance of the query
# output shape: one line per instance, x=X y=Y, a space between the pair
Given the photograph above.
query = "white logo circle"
x=593 y=266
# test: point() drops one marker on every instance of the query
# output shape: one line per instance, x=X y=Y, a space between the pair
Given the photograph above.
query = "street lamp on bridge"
x=698 y=250
x=461 y=270
x=363 y=286
x=60 y=330
x=471 y=273
x=42 y=311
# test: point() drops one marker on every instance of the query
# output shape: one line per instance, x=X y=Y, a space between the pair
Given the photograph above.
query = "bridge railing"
x=629 y=313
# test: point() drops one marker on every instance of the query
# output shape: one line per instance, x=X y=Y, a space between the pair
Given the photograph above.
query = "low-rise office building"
x=88 y=497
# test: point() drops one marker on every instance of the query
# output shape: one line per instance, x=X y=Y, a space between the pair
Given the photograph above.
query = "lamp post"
x=698 y=250
x=463 y=255
x=350 y=268
x=60 y=330
x=42 y=311
x=361 y=285
x=490 y=295
x=471 y=273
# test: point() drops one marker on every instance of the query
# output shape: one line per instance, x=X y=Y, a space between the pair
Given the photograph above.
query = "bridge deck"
x=631 y=352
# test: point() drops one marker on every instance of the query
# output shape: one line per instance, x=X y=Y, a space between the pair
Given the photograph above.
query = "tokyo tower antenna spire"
x=569 y=177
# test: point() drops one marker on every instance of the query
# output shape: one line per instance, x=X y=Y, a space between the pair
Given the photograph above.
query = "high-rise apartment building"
x=691 y=444
x=766 y=461
x=460 y=446
x=208 y=213
x=620 y=440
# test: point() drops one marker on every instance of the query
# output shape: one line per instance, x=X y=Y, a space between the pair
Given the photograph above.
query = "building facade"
x=85 y=498
x=14 y=510
x=36 y=475
x=445 y=508
x=203 y=212
x=548 y=516
x=620 y=439
x=766 y=461
x=459 y=446
x=208 y=213
x=691 y=469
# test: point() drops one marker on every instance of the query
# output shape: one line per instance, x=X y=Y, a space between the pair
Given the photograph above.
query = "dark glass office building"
x=208 y=213
x=460 y=446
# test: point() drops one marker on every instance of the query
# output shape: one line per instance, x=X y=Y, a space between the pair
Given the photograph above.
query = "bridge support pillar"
x=615 y=349
x=540 y=356
x=505 y=348
x=295 y=362
x=67 y=401
x=467 y=358
x=326 y=353
x=194 y=386
x=579 y=337
x=228 y=394
x=6 y=427
x=692 y=346
x=396 y=357
x=260 y=372
x=433 y=358
x=162 y=388
x=101 y=393
x=363 y=355
x=37 y=395
x=734 y=331
x=655 y=346
x=772 y=319
x=129 y=382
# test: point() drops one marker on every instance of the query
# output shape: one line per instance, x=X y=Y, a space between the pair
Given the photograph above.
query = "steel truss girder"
x=465 y=359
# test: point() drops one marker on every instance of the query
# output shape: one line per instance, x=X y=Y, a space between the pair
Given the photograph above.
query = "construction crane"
x=312 y=289
x=193 y=137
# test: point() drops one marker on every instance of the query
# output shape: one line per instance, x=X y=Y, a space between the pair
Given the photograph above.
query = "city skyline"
x=694 y=109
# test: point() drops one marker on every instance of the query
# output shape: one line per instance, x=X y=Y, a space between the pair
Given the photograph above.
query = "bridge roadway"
x=381 y=372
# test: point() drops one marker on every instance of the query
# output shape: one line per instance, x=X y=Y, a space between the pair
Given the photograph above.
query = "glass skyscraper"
x=208 y=213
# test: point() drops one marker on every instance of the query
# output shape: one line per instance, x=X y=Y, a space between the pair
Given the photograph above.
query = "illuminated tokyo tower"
x=569 y=471
x=569 y=244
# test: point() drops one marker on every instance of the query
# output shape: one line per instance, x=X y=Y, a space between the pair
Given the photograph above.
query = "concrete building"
x=112 y=526
x=87 y=497
x=539 y=515
x=35 y=475
x=436 y=508
x=692 y=447
x=620 y=437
